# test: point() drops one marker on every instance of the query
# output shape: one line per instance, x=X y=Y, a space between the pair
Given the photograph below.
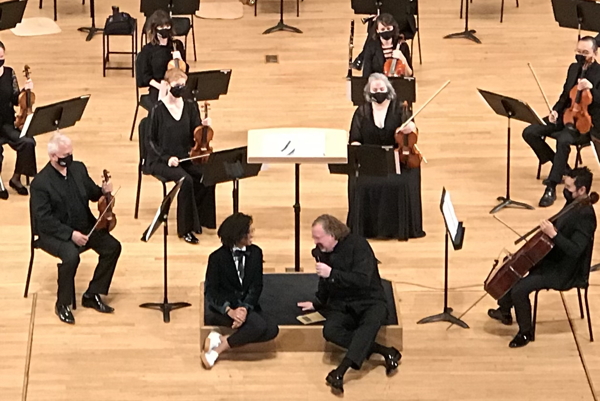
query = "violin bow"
x=193 y=158
x=424 y=105
x=105 y=210
x=540 y=86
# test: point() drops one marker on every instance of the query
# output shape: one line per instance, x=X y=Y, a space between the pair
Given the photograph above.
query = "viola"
x=577 y=114
x=203 y=135
x=515 y=266
x=394 y=67
x=408 y=151
x=107 y=220
x=176 y=62
x=26 y=100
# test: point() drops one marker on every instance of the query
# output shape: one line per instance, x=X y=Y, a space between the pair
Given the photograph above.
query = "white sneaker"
x=209 y=358
x=212 y=341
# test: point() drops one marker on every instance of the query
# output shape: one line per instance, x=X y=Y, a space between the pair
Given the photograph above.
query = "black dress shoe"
x=64 y=314
x=335 y=381
x=520 y=340
x=4 y=194
x=21 y=190
x=391 y=361
x=549 y=197
x=498 y=315
x=190 y=238
x=95 y=302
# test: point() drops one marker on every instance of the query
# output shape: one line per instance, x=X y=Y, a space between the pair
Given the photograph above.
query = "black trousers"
x=256 y=329
x=355 y=328
x=534 y=136
x=518 y=297
x=25 y=148
x=108 y=250
x=195 y=202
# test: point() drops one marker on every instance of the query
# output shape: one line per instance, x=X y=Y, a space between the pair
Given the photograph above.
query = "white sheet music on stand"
x=450 y=215
x=26 y=125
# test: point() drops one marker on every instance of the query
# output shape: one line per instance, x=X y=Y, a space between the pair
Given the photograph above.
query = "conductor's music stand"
x=11 y=13
x=405 y=88
x=229 y=165
x=281 y=26
x=364 y=161
x=577 y=14
x=54 y=116
x=162 y=214
x=511 y=109
x=207 y=85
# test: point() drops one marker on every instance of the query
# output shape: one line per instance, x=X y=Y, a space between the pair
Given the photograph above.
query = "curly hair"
x=234 y=229
x=583 y=178
x=332 y=226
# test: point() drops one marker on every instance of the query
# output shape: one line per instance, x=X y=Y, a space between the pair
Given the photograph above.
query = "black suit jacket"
x=50 y=208
x=568 y=263
x=564 y=101
x=222 y=287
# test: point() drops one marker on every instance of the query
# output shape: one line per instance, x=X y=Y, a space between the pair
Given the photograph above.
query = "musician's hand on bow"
x=306 y=306
x=79 y=238
x=410 y=127
x=107 y=187
x=207 y=122
x=548 y=228
x=28 y=85
x=553 y=116
x=173 y=161
x=584 y=84
x=323 y=270
x=397 y=54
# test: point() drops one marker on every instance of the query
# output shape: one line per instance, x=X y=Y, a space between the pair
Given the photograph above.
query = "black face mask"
x=1 y=63
x=580 y=58
x=65 y=161
x=177 y=90
x=379 y=97
x=568 y=195
x=164 y=33
x=387 y=35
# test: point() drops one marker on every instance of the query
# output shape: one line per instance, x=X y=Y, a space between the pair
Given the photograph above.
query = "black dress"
x=374 y=59
x=170 y=137
x=389 y=207
x=25 y=147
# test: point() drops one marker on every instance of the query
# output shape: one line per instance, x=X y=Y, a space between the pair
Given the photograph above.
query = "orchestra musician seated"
x=24 y=146
x=171 y=137
x=584 y=74
x=573 y=237
x=389 y=207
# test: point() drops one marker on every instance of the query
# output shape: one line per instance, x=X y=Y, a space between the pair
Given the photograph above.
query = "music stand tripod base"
x=506 y=202
x=91 y=31
x=166 y=308
x=282 y=27
x=445 y=316
x=470 y=34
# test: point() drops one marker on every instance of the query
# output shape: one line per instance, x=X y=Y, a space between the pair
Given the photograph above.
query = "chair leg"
x=41 y=4
x=539 y=171
x=461 y=8
x=139 y=190
x=419 y=44
x=589 y=318
x=533 y=323
x=297 y=8
x=83 y=2
x=27 y=180
x=255 y=7
x=164 y=196
x=134 y=119
x=580 y=304
x=74 y=300
x=193 y=38
x=578 y=159
x=517 y=3
x=104 y=55
x=29 y=270
x=55 y=13
x=501 y=11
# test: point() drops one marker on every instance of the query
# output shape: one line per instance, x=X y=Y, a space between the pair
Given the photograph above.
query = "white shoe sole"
x=205 y=361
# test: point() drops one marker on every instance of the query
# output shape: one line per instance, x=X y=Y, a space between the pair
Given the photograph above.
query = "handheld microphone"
x=316 y=253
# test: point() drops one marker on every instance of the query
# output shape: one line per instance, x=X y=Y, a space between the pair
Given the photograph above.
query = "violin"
x=202 y=137
x=394 y=67
x=107 y=220
x=577 y=114
x=408 y=151
x=26 y=100
x=515 y=266
x=176 y=62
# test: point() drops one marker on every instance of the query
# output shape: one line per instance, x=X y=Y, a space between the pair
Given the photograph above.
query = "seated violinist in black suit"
x=584 y=74
x=234 y=282
x=573 y=237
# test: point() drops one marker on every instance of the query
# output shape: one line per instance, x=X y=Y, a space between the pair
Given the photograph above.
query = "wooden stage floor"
x=133 y=356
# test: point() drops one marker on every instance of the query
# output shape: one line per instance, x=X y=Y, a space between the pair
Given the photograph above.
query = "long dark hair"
x=234 y=229
x=158 y=18
x=386 y=19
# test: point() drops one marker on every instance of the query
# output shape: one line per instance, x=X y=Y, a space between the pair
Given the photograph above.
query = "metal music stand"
x=55 y=116
x=405 y=87
x=92 y=30
x=162 y=214
x=229 y=165
x=511 y=109
x=467 y=33
x=281 y=26
x=577 y=14
x=11 y=13
x=207 y=85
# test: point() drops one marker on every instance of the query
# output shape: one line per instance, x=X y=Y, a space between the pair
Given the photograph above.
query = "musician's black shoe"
x=357 y=64
x=190 y=238
x=520 y=340
x=4 y=194
x=498 y=315
x=391 y=361
x=549 y=197
x=64 y=314
x=95 y=302
x=21 y=190
x=335 y=380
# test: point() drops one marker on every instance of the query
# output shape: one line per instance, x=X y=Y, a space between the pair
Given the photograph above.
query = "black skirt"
x=388 y=207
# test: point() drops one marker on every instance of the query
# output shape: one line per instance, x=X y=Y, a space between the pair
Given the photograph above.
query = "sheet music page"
x=26 y=125
x=294 y=144
x=450 y=216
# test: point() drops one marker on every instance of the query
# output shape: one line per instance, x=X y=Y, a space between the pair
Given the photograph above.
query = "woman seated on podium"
x=152 y=61
x=234 y=282
x=171 y=137
x=25 y=147
x=390 y=207
x=384 y=44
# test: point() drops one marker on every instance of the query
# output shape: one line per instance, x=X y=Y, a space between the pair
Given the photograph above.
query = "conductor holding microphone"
x=351 y=295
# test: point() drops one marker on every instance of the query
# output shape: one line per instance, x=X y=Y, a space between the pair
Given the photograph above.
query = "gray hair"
x=376 y=76
x=56 y=141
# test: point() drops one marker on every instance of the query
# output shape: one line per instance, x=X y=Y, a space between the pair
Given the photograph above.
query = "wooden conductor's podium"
x=297 y=146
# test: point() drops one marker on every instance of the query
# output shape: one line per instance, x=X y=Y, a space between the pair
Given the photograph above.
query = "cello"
x=26 y=100
x=515 y=266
